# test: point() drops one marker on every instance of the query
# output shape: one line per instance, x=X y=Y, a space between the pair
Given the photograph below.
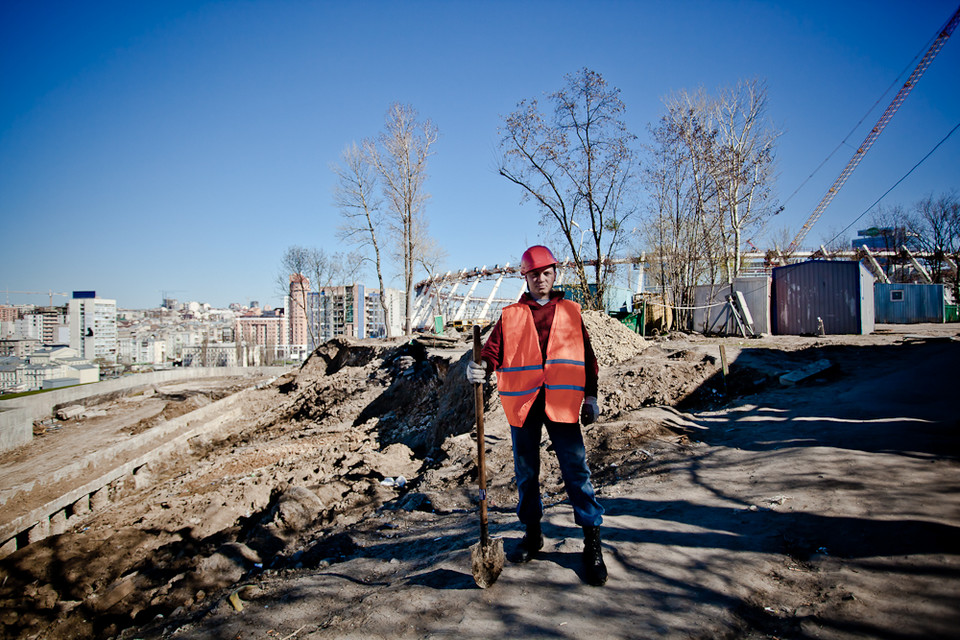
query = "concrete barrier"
x=16 y=428
x=17 y=415
x=75 y=506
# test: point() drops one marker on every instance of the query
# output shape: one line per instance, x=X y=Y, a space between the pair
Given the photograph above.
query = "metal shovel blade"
x=487 y=560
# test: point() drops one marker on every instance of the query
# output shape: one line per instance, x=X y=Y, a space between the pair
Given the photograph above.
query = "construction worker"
x=546 y=376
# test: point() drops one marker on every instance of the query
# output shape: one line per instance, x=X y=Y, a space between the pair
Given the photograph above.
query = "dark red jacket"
x=542 y=319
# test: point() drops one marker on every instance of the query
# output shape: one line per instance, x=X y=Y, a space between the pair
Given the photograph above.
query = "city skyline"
x=181 y=147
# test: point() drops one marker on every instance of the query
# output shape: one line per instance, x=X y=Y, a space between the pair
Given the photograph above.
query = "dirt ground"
x=343 y=504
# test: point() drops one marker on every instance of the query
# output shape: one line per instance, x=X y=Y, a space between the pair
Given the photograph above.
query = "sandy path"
x=830 y=510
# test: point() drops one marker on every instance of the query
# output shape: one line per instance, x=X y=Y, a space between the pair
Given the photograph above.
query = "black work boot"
x=594 y=568
x=526 y=550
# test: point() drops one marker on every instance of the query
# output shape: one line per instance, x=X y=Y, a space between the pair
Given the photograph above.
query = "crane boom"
x=877 y=128
x=51 y=292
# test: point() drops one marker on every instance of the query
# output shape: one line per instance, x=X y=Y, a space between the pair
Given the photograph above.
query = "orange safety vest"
x=524 y=369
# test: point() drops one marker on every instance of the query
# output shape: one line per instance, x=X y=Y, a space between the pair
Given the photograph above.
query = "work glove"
x=476 y=372
x=590 y=411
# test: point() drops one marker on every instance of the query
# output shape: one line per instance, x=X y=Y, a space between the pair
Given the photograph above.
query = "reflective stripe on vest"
x=525 y=371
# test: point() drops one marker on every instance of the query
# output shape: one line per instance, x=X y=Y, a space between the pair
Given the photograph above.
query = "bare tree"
x=731 y=151
x=677 y=235
x=781 y=238
x=355 y=195
x=742 y=168
x=400 y=155
x=709 y=178
x=688 y=126
x=308 y=269
x=431 y=255
x=937 y=221
x=834 y=241
x=296 y=266
x=578 y=166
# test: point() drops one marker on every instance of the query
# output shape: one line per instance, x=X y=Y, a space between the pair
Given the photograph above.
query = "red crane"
x=932 y=52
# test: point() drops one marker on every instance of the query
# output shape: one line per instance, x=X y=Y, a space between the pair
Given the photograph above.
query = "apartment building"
x=8 y=313
x=268 y=328
x=339 y=312
x=350 y=311
x=8 y=373
x=263 y=337
x=376 y=325
x=51 y=324
x=45 y=324
x=142 y=350
x=18 y=347
x=93 y=326
x=215 y=354
x=47 y=368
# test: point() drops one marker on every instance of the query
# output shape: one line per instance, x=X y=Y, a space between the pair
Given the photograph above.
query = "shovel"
x=487 y=555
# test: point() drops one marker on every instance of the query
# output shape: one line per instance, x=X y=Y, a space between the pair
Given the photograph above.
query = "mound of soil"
x=612 y=341
x=343 y=504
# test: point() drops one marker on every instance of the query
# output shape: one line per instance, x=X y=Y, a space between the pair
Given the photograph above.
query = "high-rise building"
x=376 y=324
x=263 y=337
x=48 y=321
x=93 y=326
x=340 y=312
x=297 y=310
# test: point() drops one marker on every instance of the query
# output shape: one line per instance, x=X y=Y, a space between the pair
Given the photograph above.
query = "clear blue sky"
x=183 y=146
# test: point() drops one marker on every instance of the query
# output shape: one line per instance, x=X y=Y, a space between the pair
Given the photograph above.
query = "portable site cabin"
x=908 y=303
x=714 y=315
x=822 y=297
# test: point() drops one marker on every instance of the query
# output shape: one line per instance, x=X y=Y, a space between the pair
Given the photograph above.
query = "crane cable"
x=843 y=142
x=922 y=160
x=944 y=34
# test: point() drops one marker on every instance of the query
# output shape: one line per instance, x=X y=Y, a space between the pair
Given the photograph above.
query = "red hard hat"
x=536 y=257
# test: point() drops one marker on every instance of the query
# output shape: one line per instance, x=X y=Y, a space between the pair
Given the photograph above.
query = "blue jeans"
x=567 y=443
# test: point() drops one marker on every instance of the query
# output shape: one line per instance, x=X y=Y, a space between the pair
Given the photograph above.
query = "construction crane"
x=51 y=293
x=877 y=128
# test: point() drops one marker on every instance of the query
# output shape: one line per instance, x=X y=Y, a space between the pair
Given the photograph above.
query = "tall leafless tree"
x=577 y=164
x=742 y=168
x=678 y=234
x=355 y=196
x=730 y=145
x=399 y=154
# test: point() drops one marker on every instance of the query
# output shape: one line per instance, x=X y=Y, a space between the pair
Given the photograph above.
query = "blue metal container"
x=908 y=303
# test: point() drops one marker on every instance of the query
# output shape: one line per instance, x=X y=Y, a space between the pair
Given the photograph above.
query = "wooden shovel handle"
x=481 y=453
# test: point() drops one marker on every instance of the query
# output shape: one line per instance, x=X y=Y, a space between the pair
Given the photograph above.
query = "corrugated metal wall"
x=838 y=292
x=717 y=319
x=908 y=303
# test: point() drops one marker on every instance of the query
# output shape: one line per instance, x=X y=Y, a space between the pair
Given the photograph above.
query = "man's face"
x=540 y=281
